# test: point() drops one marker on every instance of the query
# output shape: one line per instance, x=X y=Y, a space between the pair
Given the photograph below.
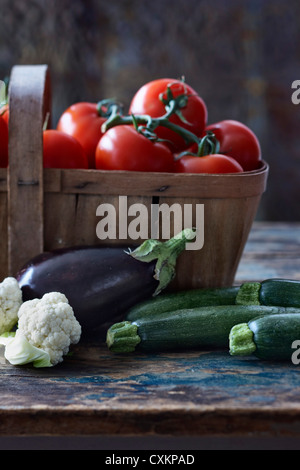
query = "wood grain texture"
x=28 y=104
x=3 y=180
x=272 y=251
x=247 y=184
x=184 y=394
x=227 y=223
x=65 y=213
x=4 y=235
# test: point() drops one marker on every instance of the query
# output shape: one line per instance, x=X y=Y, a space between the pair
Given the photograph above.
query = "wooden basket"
x=43 y=209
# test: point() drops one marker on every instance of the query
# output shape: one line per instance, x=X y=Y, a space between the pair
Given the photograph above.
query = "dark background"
x=241 y=57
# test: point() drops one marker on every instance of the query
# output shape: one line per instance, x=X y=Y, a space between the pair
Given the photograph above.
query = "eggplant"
x=103 y=282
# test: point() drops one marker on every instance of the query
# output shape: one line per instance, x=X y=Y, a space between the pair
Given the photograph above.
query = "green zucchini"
x=184 y=299
x=268 y=337
x=271 y=292
x=281 y=292
x=204 y=327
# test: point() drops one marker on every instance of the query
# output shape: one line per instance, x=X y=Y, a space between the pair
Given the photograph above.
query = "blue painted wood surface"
x=207 y=393
x=272 y=250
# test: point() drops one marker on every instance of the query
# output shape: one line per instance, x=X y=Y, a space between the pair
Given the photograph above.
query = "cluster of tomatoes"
x=164 y=130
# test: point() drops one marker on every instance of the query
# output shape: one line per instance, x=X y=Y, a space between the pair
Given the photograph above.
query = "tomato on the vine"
x=83 y=121
x=213 y=163
x=237 y=141
x=62 y=151
x=124 y=148
x=147 y=101
x=3 y=143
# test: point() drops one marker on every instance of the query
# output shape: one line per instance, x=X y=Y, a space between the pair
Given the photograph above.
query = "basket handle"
x=29 y=101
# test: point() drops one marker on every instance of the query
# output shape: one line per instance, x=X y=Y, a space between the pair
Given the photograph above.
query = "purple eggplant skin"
x=101 y=283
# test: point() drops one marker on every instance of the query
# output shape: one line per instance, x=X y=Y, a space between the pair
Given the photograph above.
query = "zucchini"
x=281 y=292
x=204 y=327
x=183 y=300
x=268 y=337
x=271 y=292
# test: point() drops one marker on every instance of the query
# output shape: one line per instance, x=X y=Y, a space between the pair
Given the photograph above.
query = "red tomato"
x=123 y=148
x=214 y=163
x=62 y=151
x=237 y=141
x=82 y=121
x=3 y=143
x=4 y=112
x=146 y=101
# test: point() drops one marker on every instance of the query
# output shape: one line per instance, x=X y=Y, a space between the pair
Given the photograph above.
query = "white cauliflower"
x=10 y=302
x=46 y=329
x=49 y=323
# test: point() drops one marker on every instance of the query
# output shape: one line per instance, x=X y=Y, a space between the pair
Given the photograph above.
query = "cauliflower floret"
x=10 y=302
x=49 y=323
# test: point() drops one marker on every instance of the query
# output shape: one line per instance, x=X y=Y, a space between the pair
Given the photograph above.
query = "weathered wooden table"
x=187 y=394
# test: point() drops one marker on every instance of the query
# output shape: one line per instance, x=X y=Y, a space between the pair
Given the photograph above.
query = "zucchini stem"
x=122 y=337
x=241 y=341
x=248 y=294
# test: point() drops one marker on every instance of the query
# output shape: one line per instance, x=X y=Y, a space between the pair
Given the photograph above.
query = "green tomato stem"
x=151 y=123
x=172 y=105
x=146 y=124
x=208 y=145
x=108 y=108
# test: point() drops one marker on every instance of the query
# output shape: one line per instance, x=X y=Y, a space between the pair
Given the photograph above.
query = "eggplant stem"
x=166 y=254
